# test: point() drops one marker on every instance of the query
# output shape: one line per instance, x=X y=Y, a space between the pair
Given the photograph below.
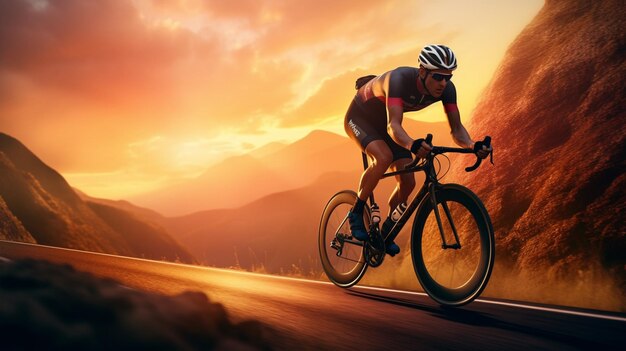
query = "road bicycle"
x=452 y=239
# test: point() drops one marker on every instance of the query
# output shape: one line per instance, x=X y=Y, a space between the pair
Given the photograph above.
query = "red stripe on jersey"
x=450 y=108
x=394 y=101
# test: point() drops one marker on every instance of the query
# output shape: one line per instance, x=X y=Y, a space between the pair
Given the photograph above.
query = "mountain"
x=278 y=232
x=557 y=192
x=268 y=148
x=239 y=180
x=38 y=205
x=275 y=234
x=230 y=183
x=146 y=215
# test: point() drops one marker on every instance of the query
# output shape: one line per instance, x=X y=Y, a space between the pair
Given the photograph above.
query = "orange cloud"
x=83 y=81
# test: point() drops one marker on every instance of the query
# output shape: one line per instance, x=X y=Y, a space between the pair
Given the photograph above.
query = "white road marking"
x=510 y=304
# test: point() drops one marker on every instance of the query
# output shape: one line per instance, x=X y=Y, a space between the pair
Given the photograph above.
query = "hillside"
x=10 y=227
x=37 y=205
x=274 y=234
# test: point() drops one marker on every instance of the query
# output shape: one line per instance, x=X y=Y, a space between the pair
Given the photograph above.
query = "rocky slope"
x=555 y=110
x=38 y=205
x=10 y=227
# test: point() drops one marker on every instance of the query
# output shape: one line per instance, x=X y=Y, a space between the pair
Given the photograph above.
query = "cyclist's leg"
x=365 y=130
x=406 y=184
x=380 y=159
x=368 y=130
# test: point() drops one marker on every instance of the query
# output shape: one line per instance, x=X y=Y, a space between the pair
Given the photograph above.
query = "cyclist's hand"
x=482 y=150
x=420 y=148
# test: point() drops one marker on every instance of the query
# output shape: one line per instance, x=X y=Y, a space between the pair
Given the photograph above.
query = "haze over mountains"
x=276 y=233
x=240 y=180
x=243 y=179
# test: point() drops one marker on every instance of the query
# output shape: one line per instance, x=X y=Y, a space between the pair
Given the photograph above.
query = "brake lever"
x=476 y=165
x=487 y=143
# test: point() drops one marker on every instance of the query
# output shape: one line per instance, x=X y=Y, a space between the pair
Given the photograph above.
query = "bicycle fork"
x=444 y=244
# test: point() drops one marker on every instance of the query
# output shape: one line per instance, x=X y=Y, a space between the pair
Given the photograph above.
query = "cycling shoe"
x=357 y=227
x=392 y=249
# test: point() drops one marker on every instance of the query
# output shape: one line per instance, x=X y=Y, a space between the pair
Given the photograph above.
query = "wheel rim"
x=346 y=269
x=452 y=268
x=454 y=277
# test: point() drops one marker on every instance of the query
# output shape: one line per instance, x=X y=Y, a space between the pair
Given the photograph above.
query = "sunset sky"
x=123 y=97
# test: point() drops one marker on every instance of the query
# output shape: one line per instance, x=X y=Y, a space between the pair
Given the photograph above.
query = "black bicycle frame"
x=430 y=185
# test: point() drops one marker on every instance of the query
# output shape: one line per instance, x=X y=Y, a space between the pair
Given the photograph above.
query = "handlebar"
x=487 y=143
x=436 y=150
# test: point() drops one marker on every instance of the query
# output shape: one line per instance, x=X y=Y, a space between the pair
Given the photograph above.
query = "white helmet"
x=437 y=57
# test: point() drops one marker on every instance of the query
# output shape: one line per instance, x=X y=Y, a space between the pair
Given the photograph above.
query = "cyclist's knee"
x=384 y=160
x=380 y=153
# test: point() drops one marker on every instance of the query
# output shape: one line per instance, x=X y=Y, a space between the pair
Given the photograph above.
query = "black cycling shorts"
x=364 y=126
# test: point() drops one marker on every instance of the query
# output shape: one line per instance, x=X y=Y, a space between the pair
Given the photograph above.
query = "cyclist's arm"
x=395 y=113
x=459 y=134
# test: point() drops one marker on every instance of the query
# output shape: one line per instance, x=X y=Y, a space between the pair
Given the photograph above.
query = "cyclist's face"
x=436 y=80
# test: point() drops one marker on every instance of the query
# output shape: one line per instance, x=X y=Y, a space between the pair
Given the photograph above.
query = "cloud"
x=96 y=49
x=81 y=80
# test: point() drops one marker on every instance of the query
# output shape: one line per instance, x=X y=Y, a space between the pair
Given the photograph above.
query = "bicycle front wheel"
x=453 y=257
x=341 y=255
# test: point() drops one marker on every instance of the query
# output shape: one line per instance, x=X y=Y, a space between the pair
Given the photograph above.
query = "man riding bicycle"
x=374 y=122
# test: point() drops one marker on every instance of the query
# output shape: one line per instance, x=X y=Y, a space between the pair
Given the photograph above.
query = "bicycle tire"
x=348 y=268
x=465 y=207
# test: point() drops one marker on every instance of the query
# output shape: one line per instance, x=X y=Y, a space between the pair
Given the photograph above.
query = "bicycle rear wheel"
x=452 y=276
x=341 y=255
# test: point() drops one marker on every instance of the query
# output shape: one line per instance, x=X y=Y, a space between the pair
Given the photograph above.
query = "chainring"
x=374 y=249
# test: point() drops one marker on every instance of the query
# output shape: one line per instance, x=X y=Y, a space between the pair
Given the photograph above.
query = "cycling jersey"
x=366 y=119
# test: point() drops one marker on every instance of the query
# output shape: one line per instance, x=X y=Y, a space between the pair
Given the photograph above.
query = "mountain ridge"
x=238 y=180
x=37 y=205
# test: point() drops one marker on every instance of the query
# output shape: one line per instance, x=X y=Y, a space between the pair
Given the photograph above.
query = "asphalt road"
x=309 y=315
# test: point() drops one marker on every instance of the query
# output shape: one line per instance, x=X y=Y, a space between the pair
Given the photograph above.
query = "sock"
x=358 y=206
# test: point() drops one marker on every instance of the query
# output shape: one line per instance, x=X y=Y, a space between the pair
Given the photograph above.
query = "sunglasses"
x=439 y=77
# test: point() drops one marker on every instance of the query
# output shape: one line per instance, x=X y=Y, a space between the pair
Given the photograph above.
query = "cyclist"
x=374 y=122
